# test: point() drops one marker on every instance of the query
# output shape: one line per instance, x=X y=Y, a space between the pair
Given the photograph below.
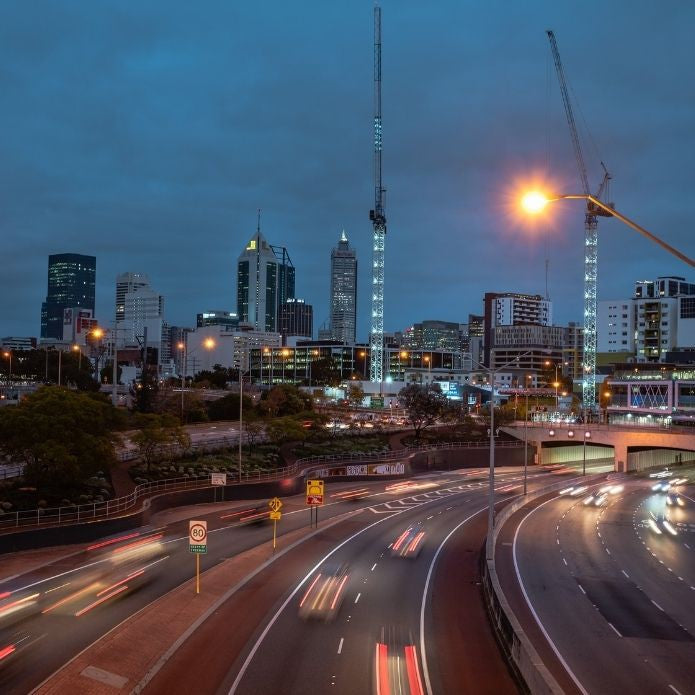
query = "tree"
x=157 y=435
x=285 y=429
x=227 y=407
x=355 y=394
x=218 y=377
x=145 y=391
x=285 y=399
x=424 y=405
x=64 y=436
x=254 y=429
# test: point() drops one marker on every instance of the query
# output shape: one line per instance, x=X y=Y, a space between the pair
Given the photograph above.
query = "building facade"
x=296 y=319
x=265 y=280
x=71 y=283
x=128 y=282
x=433 y=335
x=343 y=300
x=216 y=317
x=512 y=309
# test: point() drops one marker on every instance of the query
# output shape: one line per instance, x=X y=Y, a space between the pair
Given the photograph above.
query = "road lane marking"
x=373 y=566
x=625 y=573
x=673 y=687
x=611 y=624
x=340 y=645
x=423 y=652
x=581 y=588
x=530 y=605
x=357 y=598
x=563 y=559
x=657 y=605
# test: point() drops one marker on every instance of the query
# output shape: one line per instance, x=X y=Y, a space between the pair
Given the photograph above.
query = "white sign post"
x=197 y=543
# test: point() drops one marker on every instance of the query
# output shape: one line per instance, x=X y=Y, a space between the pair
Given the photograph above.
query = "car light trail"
x=414 y=680
x=103 y=544
x=84 y=610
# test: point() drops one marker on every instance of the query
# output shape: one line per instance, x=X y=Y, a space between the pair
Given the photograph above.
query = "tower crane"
x=590 y=239
x=378 y=218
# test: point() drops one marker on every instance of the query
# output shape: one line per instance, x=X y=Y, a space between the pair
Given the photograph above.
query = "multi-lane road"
x=384 y=600
x=612 y=586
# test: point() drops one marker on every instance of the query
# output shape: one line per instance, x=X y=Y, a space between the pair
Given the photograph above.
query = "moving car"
x=324 y=596
x=409 y=543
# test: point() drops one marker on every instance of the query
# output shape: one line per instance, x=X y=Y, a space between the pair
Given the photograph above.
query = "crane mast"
x=378 y=218
x=590 y=241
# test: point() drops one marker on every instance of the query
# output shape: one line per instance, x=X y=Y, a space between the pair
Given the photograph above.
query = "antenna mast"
x=378 y=218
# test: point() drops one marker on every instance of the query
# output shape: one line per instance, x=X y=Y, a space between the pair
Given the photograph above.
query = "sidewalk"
x=123 y=658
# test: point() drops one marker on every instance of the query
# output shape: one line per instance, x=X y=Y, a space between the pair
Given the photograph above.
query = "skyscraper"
x=128 y=282
x=265 y=281
x=71 y=282
x=343 y=292
x=296 y=319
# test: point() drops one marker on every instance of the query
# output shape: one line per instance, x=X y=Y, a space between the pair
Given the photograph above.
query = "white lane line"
x=625 y=573
x=423 y=652
x=565 y=561
x=581 y=588
x=675 y=690
x=657 y=605
x=532 y=609
x=688 y=547
x=611 y=624
x=342 y=639
x=608 y=551
x=373 y=566
x=429 y=517
x=357 y=598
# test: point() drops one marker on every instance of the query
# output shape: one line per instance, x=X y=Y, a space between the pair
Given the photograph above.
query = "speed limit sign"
x=198 y=536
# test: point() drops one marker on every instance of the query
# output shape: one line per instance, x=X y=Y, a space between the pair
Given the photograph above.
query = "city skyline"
x=146 y=165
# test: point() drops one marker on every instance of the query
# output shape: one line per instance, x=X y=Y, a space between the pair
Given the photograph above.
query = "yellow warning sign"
x=275 y=505
x=314 y=492
x=275 y=516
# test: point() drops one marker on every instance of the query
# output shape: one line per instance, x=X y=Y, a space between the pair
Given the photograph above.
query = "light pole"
x=183 y=346
x=492 y=373
x=285 y=352
x=241 y=414
x=428 y=361
x=312 y=354
x=587 y=434
x=8 y=354
x=77 y=348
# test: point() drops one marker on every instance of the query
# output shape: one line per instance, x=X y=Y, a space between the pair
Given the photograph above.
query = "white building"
x=615 y=326
x=211 y=345
x=128 y=282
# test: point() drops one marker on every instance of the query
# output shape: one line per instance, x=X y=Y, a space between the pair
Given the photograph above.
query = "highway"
x=612 y=587
x=392 y=595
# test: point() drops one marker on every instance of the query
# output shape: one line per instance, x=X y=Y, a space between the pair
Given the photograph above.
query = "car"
x=409 y=543
x=662 y=486
x=396 y=663
x=324 y=596
x=597 y=500
x=673 y=499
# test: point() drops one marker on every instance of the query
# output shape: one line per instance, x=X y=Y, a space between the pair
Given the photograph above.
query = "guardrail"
x=119 y=505
x=11 y=471
x=601 y=426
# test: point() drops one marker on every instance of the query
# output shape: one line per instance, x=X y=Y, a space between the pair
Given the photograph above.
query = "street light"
x=313 y=353
x=285 y=354
x=535 y=201
x=428 y=361
x=8 y=353
x=77 y=348
x=492 y=373
x=587 y=434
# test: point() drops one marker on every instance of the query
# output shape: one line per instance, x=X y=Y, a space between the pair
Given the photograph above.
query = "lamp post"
x=363 y=355
x=8 y=354
x=607 y=400
x=428 y=361
x=285 y=352
x=312 y=354
x=77 y=348
x=587 y=434
x=492 y=373
x=241 y=414
x=183 y=346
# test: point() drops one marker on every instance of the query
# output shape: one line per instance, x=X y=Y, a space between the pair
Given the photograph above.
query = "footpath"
x=130 y=655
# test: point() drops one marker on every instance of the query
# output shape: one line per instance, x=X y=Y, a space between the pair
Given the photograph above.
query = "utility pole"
x=378 y=218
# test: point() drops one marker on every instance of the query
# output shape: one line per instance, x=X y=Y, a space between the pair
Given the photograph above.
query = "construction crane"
x=590 y=240
x=378 y=218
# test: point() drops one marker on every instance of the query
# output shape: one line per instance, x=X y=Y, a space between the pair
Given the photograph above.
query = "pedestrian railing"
x=54 y=516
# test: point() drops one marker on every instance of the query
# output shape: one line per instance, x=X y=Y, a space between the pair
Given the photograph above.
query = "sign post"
x=197 y=543
x=218 y=479
x=275 y=515
x=314 y=497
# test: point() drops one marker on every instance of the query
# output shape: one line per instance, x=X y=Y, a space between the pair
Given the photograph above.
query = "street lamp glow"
x=209 y=343
x=533 y=202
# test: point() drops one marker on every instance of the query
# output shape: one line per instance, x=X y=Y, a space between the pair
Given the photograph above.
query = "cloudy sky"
x=148 y=134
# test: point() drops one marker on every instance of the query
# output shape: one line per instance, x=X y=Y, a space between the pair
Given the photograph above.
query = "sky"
x=148 y=134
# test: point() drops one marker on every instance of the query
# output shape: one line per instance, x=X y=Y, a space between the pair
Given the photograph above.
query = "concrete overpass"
x=632 y=448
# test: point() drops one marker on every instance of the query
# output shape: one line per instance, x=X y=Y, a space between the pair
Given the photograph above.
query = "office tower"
x=142 y=309
x=217 y=317
x=296 y=319
x=512 y=309
x=71 y=282
x=128 y=282
x=433 y=335
x=265 y=281
x=343 y=300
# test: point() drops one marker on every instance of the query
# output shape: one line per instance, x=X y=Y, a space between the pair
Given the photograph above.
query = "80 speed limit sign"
x=198 y=536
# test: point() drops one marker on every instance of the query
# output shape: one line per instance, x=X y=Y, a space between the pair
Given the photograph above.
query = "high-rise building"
x=658 y=319
x=216 y=317
x=143 y=315
x=343 y=321
x=71 y=283
x=296 y=319
x=512 y=309
x=433 y=335
x=265 y=281
x=128 y=282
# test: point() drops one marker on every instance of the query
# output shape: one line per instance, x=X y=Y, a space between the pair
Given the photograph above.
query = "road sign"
x=218 y=478
x=314 y=492
x=198 y=536
x=275 y=504
x=275 y=516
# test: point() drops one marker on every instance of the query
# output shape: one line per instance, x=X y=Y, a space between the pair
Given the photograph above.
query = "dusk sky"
x=147 y=134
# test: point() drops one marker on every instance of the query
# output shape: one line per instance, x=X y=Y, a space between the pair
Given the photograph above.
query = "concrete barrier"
x=516 y=646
